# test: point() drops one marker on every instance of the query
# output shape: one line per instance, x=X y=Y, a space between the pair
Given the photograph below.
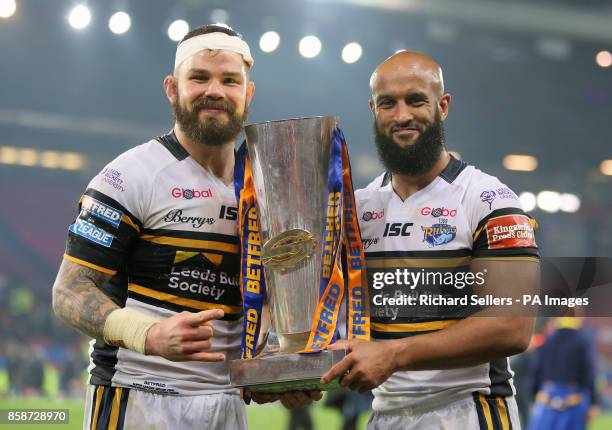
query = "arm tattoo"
x=78 y=299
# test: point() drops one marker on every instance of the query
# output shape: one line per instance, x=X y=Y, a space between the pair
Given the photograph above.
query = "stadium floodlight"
x=219 y=16
x=528 y=201
x=178 y=29
x=351 y=52
x=7 y=8
x=570 y=203
x=71 y=161
x=604 y=59
x=549 y=201
x=269 y=41
x=606 y=167
x=79 y=17
x=50 y=159
x=120 y=22
x=520 y=163
x=9 y=155
x=310 y=46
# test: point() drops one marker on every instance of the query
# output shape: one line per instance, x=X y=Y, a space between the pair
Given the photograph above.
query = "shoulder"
x=485 y=193
x=364 y=194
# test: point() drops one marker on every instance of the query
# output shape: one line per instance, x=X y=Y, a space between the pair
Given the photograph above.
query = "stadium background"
x=527 y=77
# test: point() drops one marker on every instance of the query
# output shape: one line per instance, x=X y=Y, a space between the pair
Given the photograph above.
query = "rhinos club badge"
x=439 y=234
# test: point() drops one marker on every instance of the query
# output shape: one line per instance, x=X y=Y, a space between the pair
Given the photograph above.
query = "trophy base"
x=277 y=373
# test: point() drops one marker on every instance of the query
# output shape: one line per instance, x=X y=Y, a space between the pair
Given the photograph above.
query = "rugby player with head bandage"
x=151 y=266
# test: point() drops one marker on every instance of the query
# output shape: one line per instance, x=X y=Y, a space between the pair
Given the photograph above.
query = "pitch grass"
x=261 y=417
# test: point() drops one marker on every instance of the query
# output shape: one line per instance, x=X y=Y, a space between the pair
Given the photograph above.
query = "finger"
x=198 y=333
x=201 y=317
x=341 y=344
x=199 y=346
x=205 y=356
x=353 y=377
x=338 y=370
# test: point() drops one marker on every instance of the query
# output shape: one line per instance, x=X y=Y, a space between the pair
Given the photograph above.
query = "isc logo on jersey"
x=101 y=211
x=438 y=212
x=91 y=232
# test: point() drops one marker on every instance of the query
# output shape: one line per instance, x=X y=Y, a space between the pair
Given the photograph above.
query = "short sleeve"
x=500 y=226
x=109 y=219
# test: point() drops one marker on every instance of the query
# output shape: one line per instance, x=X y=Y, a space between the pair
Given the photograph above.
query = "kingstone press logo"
x=439 y=234
x=191 y=193
x=438 y=212
x=370 y=215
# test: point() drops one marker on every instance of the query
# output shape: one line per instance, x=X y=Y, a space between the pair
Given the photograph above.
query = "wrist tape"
x=128 y=328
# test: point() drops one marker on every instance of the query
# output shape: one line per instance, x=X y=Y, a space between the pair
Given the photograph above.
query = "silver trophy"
x=289 y=163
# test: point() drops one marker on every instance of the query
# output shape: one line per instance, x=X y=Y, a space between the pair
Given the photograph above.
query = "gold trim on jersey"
x=508 y=258
x=131 y=223
x=124 y=218
x=191 y=243
x=191 y=303
x=90 y=265
x=413 y=327
x=382 y=263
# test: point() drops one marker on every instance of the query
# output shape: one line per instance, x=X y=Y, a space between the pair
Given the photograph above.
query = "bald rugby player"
x=431 y=212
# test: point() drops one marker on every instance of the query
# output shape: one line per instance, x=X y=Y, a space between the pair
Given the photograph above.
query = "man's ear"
x=444 y=105
x=170 y=88
x=250 y=92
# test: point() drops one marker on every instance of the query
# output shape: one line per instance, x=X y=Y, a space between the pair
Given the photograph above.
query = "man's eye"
x=385 y=103
x=230 y=81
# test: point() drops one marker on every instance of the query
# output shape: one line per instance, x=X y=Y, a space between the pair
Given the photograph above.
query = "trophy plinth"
x=277 y=373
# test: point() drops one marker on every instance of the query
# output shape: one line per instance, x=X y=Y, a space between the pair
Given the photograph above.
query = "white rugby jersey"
x=165 y=228
x=462 y=214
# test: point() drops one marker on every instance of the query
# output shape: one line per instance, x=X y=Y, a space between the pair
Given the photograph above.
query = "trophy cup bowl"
x=289 y=162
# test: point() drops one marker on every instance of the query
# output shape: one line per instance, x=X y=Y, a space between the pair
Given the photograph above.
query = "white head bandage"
x=214 y=41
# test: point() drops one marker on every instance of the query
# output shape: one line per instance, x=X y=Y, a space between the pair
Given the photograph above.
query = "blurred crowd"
x=39 y=355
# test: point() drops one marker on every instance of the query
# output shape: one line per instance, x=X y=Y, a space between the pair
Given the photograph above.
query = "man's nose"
x=214 y=90
x=403 y=113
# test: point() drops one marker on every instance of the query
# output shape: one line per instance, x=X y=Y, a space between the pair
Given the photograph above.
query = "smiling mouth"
x=404 y=130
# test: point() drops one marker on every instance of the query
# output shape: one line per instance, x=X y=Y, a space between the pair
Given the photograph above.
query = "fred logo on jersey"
x=439 y=234
x=101 y=211
x=510 y=231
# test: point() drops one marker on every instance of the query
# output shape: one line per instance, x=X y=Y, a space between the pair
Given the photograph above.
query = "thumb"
x=340 y=344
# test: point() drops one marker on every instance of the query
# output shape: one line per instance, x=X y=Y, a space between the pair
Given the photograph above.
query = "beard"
x=415 y=159
x=210 y=131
